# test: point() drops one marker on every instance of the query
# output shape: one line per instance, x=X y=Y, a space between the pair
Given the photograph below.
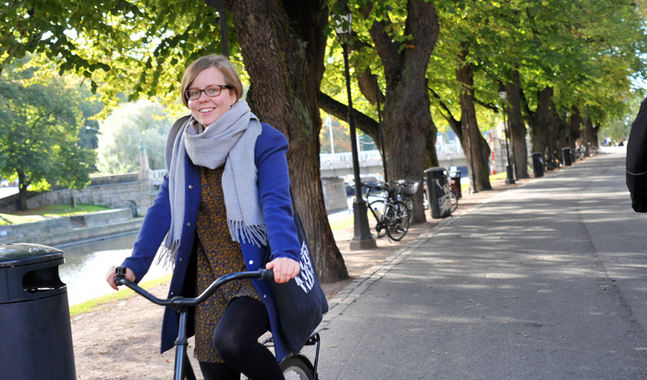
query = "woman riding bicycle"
x=224 y=202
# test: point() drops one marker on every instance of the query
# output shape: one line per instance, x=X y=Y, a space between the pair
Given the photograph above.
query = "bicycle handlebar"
x=180 y=301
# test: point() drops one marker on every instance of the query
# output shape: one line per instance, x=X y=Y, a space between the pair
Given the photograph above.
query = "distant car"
x=4 y=183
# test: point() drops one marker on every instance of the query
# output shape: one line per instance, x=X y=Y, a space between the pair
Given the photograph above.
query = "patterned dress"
x=218 y=255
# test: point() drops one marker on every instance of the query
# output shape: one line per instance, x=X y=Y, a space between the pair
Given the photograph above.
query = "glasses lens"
x=193 y=94
x=212 y=91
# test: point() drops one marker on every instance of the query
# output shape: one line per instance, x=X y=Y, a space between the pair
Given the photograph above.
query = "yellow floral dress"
x=218 y=255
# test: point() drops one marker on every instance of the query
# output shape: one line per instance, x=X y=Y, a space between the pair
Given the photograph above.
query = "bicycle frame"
x=182 y=304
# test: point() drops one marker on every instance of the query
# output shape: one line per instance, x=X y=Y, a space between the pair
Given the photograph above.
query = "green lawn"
x=52 y=211
x=123 y=293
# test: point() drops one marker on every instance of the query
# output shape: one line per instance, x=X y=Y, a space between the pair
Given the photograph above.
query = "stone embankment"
x=63 y=230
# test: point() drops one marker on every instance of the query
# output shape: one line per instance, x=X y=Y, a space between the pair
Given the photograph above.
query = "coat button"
x=251 y=262
x=190 y=187
x=188 y=224
x=180 y=260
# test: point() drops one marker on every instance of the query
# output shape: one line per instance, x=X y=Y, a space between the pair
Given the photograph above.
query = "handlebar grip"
x=267 y=274
x=120 y=274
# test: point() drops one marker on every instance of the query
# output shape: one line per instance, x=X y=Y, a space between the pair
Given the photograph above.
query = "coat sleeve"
x=154 y=228
x=274 y=193
x=637 y=160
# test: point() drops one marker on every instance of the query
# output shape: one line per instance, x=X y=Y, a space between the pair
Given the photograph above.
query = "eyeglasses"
x=211 y=91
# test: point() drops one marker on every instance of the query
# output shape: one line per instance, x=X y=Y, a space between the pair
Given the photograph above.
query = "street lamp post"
x=509 y=175
x=362 y=238
x=220 y=6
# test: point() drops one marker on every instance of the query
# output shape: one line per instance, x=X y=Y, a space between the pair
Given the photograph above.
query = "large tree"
x=395 y=41
x=39 y=127
x=283 y=45
x=142 y=48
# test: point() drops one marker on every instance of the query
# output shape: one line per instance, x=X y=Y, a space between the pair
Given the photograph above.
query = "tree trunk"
x=431 y=159
x=517 y=128
x=574 y=127
x=541 y=120
x=407 y=116
x=587 y=133
x=283 y=46
x=477 y=151
x=22 y=191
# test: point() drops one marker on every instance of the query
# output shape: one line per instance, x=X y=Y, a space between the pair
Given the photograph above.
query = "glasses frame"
x=219 y=86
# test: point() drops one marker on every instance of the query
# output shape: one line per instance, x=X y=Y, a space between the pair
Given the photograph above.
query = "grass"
x=52 y=211
x=498 y=176
x=96 y=304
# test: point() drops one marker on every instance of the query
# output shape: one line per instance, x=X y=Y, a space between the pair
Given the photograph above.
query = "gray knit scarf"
x=229 y=140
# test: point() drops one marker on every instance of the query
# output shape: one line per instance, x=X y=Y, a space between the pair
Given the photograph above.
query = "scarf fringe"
x=241 y=233
x=167 y=255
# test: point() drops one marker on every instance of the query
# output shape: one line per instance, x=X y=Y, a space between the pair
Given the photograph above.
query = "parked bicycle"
x=393 y=211
x=296 y=367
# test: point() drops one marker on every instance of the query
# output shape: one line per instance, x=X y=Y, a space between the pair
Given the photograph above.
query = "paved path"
x=545 y=281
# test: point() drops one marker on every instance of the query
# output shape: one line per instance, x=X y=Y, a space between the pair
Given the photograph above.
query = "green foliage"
x=586 y=50
x=39 y=126
x=126 y=130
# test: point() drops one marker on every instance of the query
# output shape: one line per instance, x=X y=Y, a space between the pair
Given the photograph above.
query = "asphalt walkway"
x=544 y=281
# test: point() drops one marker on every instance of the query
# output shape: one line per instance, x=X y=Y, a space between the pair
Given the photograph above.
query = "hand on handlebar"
x=284 y=269
x=110 y=277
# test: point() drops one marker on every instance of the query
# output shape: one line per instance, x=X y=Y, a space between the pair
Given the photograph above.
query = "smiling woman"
x=226 y=199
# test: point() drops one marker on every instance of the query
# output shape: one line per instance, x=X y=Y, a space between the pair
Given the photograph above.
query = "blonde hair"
x=218 y=61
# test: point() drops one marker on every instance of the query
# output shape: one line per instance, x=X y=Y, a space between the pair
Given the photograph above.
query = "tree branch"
x=364 y=123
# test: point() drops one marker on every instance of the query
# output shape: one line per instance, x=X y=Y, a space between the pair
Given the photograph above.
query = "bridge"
x=370 y=162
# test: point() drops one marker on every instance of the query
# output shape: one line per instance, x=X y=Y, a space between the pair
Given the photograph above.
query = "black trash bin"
x=537 y=165
x=35 y=331
x=455 y=179
x=437 y=188
x=566 y=156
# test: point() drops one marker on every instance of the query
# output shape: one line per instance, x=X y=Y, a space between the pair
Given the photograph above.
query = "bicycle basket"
x=410 y=188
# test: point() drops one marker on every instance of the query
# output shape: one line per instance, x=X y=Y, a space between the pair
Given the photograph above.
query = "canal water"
x=86 y=266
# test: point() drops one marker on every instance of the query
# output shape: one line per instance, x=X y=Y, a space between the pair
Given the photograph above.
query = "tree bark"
x=477 y=151
x=23 y=194
x=283 y=46
x=517 y=128
x=574 y=126
x=407 y=116
x=540 y=121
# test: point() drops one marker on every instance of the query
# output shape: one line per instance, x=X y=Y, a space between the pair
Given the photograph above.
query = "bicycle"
x=296 y=367
x=449 y=199
x=392 y=214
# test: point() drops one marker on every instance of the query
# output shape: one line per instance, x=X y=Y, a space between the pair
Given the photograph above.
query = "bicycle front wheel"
x=453 y=199
x=398 y=218
x=295 y=368
x=377 y=206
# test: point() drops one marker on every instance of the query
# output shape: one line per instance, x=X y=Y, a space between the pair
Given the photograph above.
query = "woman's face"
x=205 y=109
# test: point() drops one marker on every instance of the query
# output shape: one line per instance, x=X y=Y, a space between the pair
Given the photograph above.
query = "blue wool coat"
x=275 y=201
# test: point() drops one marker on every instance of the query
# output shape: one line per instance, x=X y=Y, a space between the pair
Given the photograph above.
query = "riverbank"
x=67 y=230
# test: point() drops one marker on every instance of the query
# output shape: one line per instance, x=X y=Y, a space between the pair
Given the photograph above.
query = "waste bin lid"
x=12 y=255
x=435 y=169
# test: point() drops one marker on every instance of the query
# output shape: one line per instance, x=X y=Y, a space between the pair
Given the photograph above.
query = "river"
x=86 y=266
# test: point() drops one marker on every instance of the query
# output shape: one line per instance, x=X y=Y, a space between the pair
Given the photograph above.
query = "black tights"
x=236 y=340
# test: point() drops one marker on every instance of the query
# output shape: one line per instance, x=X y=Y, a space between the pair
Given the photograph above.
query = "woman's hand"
x=110 y=277
x=284 y=268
